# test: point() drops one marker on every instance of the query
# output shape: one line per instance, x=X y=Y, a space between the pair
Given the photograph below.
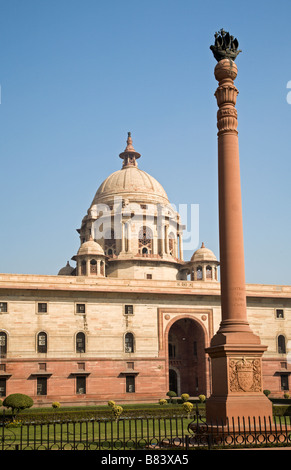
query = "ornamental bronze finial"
x=225 y=46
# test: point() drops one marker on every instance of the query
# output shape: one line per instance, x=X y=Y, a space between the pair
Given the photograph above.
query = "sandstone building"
x=131 y=320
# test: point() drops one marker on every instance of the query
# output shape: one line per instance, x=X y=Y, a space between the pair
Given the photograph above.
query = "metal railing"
x=152 y=433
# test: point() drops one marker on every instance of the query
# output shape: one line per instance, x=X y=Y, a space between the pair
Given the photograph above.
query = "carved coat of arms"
x=245 y=375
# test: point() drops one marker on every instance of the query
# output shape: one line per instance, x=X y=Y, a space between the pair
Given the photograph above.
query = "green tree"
x=17 y=402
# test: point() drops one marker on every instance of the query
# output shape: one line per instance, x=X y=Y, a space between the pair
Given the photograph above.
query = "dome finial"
x=129 y=155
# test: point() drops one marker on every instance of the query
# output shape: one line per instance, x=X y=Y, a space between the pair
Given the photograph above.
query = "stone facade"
x=133 y=318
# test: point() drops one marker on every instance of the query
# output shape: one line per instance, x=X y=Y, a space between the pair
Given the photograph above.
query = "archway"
x=187 y=358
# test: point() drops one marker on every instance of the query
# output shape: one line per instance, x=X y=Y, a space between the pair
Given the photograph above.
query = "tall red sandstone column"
x=235 y=351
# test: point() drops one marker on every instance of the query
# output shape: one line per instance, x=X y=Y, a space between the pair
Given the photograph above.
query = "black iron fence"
x=152 y=433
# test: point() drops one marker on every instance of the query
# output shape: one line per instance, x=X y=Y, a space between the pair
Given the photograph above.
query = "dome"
x=130 y=182
x=66 y=270
x=90 y=248
x=203 y=254
x=133 y=184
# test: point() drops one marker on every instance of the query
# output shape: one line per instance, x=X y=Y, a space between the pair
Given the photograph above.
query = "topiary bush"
x=202 y=398
x=187 y=407
x=185 y=397
x=56 y=405
x=162 y=401
x=267 y=392
x=111 y=403
x=171 y=395
x=17 y=402
x=117 y=410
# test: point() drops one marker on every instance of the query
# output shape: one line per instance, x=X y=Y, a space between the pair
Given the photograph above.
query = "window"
x=130 y=384
x=83 y=268
x=41 y=386
x=109 y=243
x=149 y=276
x=81 y=385
x=128 y=309
x=199 y=273
x=93 y=266
x=172 y=350
x=129 y=343
x=284 y=382
x=145 y=240
x=281 y=344
x=3 y=307
x=42 y=307
x=2 y=387
x=80 y=342
x=81 y=308
x=3 y=344
x=42 y=342
x=279 y=313
x=208 y=272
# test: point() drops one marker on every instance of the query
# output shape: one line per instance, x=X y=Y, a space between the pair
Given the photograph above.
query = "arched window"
x=109 y=243
x=102 y=268
x=3 y=344
x=208 y=272
x=199 y=273
x=145 y=240
x=93 y=266
x=281 y=344
x=129 y=343
x=83 y=268
x=42 y=342
x=80 y=342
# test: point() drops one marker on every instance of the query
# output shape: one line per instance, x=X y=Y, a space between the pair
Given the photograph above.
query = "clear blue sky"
x=76 y=76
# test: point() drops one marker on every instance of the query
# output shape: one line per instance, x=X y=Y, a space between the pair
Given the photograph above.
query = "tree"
x=17 y=402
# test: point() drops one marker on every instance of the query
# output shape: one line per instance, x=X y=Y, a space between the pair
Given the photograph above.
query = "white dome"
x=133 y=184
x=90 y=248
x=203 y=254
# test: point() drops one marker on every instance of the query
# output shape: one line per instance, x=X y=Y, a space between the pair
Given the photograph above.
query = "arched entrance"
x=187 y=359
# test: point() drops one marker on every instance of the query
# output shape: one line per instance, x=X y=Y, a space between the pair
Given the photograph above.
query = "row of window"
x=81 y=385
x=42 y=307
x=80 y=345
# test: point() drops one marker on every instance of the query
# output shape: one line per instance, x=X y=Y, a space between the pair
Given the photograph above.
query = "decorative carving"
x=225 y=46
x=245 y=375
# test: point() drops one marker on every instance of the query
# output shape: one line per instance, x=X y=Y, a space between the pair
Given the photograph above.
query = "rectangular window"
x=130 y=384
x=80 y=308
x=128 y=309
x=284 y=382
x=2 y=387
x=42 y=307
x=279 y=313
x=41 y=386
x=81 y=385
x=3 y=307
x=149 y=276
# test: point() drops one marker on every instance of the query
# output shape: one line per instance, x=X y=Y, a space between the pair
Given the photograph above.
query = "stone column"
x=235 y=351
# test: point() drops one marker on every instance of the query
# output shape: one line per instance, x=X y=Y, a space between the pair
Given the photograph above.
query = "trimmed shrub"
x=17 y=402
x=117 y=410
x=171 y=395
x=162 y=401
x=202 y=398
x=267 y=392
x=187 y=407
x=111 y=403
x=185 y=397
x=56 y=405
x=286 y=395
